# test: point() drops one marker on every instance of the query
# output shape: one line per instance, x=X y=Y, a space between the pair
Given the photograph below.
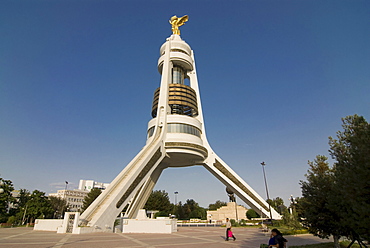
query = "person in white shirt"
x=228 y=228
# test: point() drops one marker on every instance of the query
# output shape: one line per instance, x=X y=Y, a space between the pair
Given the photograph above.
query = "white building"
x=90 y=184
x=74 y=198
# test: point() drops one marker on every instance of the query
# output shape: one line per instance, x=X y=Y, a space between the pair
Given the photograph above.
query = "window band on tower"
x=178 y=128
x=183 y=128
x=181 y=98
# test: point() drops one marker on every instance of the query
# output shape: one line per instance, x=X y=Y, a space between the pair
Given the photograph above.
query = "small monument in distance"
x=232 y=210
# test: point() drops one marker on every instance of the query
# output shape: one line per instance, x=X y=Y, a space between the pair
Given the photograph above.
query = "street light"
x=64 y=197
x=176 y=197
x=267 y=192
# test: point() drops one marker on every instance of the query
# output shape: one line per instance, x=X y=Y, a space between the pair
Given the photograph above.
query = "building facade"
x=231 y=211
x=74 y=198
x=90 y=184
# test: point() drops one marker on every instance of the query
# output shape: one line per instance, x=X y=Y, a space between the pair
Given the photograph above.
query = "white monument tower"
x=176 y=138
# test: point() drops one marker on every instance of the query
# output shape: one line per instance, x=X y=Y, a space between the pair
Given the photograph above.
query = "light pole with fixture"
x=267 y=191
x=176 y=197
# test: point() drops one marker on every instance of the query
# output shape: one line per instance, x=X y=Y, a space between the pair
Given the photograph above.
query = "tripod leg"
x=227 y=176
x=143 y=194
x=103 y=211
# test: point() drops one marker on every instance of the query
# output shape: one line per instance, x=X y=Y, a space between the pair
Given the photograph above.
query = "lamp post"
x=236 y=211
x=267 y=192
x=64 y=198
x=176 y=197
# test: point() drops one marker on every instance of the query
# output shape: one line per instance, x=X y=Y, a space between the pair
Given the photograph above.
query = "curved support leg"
x=142 y=196
x=227 y=176
x=124 y=187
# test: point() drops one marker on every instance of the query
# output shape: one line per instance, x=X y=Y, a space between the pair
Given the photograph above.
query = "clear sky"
x=77 y=80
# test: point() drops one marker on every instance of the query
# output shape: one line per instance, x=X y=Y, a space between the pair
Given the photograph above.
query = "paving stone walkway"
x=203 y=237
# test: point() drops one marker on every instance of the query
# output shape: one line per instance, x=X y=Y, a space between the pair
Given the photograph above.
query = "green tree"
x=6 y=199
x=23 y=197
x=351 y=152
x=20 y=208
x=277 y=204
x=39 y=207
x=159 y=200
x=291 y=220
x=218 y=204
x=297 y=207
x=252 y=214
x=59 y=206
x=90 y=197
x=180 y=211
x=191 y=209
x=319 y=204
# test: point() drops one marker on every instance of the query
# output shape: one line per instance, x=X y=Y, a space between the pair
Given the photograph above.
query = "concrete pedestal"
x=149 y=226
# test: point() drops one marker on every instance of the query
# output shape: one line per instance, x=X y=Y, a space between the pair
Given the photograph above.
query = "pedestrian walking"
x=229 y=233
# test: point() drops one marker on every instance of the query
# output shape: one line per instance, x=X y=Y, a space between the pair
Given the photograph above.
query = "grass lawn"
x=322 y=245
x=288 y=231
x=343 y=244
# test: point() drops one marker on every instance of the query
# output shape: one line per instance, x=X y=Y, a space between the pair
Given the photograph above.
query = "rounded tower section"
x=183 y=140
x=181 y=97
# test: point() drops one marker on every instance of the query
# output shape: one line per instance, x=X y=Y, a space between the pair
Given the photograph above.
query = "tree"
x=291 y=220
x=336 y=200
x=191 y=209
x=159 y=200
x=6 y=199
x=20 y=206
x=218 y=204
x=59 y=206
x=180 y=211
x=319 y=204
x=39 y=207
x=277 y=204
x=23 y=197
x=90 y=197
x=297 y=207
x=252 y=214
x=351 y=151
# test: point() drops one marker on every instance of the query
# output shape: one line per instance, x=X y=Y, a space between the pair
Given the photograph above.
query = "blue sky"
x=77 y=80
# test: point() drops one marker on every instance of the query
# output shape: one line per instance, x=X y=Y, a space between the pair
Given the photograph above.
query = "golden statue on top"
x=176 y=22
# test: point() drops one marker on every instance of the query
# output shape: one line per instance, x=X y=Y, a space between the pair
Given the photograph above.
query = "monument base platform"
x=159 y=225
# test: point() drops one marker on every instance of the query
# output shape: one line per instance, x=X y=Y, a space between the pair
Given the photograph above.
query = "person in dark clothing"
x=278 y=238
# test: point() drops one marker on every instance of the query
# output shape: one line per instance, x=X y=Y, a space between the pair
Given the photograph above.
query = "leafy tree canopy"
x=351 y=152
x=39 y=207
x=336 y=200
x=159 y=200
x=218 y=204
x=318 y=202
x=252 y=214
x=277 y=204
x=59 y=206
x=91 y=196
x=191 y=209
x=5 y=199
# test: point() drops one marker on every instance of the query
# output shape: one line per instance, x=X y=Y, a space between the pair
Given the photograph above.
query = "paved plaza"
x=185 y=237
